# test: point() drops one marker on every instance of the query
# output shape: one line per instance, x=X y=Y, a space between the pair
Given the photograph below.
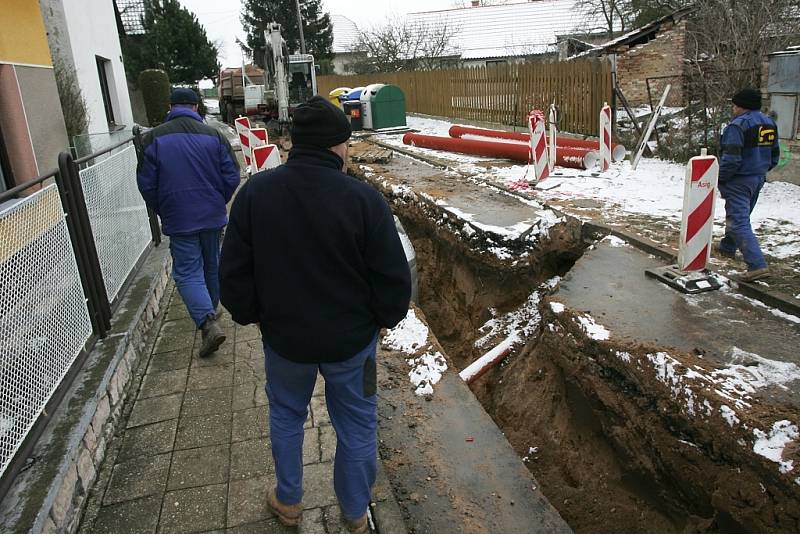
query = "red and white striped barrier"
x=243 y=129
x=605 y=138
x=265 y=157
x=697 y=222
x=538 y=145
x=258 y=137
x=552 y=120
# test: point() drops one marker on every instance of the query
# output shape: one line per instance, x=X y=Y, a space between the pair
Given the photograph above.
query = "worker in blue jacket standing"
x=187 y=173
x=749 y=149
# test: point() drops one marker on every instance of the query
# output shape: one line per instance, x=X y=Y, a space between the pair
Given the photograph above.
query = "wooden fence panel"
x=500 y=93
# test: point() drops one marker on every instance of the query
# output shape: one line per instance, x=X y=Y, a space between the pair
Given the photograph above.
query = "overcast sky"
x=221 y=17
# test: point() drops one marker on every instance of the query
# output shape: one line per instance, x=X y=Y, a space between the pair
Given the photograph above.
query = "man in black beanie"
x=312 y=256
x=749 y=149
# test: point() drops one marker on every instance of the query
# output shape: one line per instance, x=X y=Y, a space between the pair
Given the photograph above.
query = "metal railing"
x=69 y=242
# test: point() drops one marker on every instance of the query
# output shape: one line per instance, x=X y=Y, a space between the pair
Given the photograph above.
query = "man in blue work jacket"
x=187 y=173
x=749 y=149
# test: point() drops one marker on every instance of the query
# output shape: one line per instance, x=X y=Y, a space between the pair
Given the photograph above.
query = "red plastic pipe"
x=617 y=151
x=575 y=158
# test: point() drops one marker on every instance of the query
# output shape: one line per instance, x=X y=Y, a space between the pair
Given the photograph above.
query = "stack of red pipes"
x=570 y=152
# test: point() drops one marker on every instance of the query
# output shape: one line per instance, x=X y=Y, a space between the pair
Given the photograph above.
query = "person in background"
x=749 y=149
x=187 y=173
x=313 y=256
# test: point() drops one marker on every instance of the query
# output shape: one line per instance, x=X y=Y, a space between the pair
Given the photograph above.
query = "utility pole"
x=300 y=26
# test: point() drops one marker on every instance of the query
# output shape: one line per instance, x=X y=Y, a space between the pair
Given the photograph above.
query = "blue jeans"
x=351 y=396
x=741 y=195
x=195 y=268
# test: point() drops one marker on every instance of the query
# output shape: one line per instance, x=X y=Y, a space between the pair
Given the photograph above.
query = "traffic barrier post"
x=243 y=129
x=605 y=138
x=697 y=222
x=538 y=146
x=265 y=157
x=689 y=275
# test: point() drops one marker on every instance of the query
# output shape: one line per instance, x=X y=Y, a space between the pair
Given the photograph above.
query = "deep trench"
x=537 y=401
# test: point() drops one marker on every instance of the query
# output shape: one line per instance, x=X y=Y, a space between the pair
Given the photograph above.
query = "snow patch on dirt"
x=729 y=415
x=771 y=445
x=518 y=324
x=594 y=330
x=426 y=371
x=615 y=241
x=411 y=337
x=408 y=336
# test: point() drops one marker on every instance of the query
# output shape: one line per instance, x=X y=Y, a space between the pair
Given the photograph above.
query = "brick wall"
x=663 y=56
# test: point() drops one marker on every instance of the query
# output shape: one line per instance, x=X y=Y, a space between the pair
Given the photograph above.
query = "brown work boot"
x=754 y=274
x=721 y=252
x=213 y=337
x=290 y=515
x=357 y=526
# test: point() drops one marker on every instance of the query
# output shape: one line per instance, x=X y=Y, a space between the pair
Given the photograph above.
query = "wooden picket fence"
x=501 y=94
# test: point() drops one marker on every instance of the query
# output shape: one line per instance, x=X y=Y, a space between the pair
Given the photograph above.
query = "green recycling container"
x=388 y=108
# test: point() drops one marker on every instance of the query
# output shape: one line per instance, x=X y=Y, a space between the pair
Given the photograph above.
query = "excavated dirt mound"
x=613 y=444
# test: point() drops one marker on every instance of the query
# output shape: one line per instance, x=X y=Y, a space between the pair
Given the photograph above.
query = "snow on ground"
x=654 y=189
x=771 y=445
x=411 y=337
x=594 y=330
x=408 y=336
x=517 y=326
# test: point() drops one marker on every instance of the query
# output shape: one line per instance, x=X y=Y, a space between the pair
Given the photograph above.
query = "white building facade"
x=83 y=34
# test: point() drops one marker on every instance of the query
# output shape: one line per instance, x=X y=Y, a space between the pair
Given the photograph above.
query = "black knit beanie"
x=319 y=123
x=748 y=99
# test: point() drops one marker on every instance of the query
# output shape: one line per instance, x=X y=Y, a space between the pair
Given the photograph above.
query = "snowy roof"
x=512 y=29
x=131 y=13
x=345 y=34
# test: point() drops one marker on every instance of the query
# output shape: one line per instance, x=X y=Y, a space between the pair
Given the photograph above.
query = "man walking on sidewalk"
x=187 y=174
x=313 y=256
x=749 y=149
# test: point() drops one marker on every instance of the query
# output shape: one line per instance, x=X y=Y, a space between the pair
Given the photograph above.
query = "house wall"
x=31 y=120
x=663 y=56
x=80 y=30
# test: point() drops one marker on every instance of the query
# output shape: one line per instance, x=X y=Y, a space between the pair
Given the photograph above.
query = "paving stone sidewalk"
x=194 y=454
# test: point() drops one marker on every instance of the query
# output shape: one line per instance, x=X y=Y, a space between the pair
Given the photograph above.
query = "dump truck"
x=242 y=95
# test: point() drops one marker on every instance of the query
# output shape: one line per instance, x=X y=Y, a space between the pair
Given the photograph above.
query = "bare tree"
x=614 y=14
x=729 y=41
x=399 y=44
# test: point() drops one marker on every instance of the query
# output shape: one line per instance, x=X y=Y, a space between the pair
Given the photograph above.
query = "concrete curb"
x=50 y=496
x=385 y=509
x=775 y=299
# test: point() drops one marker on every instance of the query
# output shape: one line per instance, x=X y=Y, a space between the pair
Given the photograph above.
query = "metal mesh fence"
x=118 y=216
x=44 y=320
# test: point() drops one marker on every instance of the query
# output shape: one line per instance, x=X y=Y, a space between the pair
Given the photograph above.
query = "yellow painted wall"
x=23 y=38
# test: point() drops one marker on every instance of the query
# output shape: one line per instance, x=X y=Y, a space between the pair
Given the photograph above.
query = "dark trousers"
x=351 y=396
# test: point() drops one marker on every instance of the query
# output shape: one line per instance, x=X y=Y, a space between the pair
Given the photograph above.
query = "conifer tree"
x=174 y=41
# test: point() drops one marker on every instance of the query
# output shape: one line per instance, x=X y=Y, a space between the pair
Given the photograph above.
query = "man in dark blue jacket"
x=749 y=149
x=313 y=256
x=187 y=173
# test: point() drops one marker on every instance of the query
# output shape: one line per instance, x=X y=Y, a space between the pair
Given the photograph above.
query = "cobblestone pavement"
x=194 y=455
